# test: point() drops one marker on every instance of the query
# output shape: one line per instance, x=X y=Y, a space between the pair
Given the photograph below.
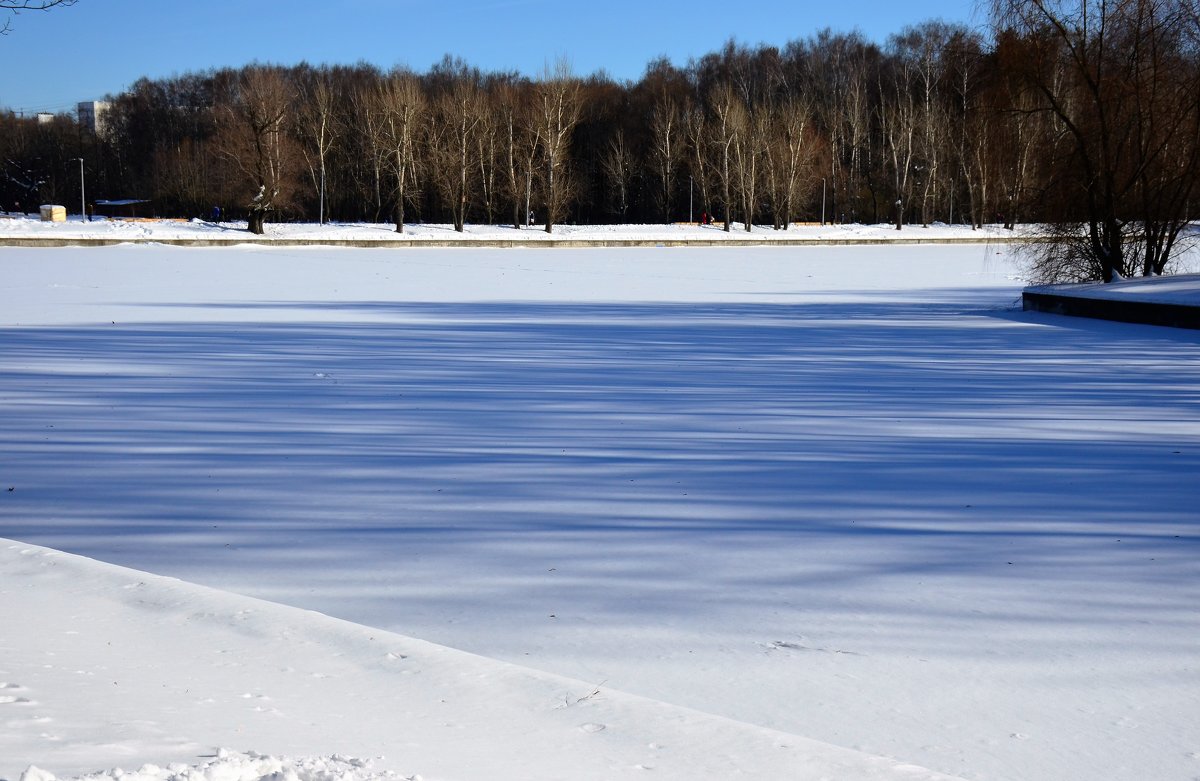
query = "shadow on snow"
x=606 y=452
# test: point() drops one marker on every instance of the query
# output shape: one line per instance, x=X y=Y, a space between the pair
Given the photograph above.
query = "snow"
x=111 y=665
x=239 y=766
x=1180 y=289
x=197 y=229
x=718 y=501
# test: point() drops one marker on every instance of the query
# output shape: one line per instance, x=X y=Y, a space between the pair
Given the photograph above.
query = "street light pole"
x=691 y=198
x=82 y=195
x=822 y=200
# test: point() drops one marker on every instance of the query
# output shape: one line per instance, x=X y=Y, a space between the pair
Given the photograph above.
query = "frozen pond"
x=848 y=493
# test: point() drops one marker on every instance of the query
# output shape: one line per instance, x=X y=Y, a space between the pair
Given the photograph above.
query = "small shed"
x=120 y=207
x=52 y=213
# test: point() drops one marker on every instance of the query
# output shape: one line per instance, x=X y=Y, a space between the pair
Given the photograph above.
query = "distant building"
x=92 y=116
x=44 y=118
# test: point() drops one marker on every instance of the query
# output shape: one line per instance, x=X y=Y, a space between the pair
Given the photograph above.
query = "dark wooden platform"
x=1083 y=302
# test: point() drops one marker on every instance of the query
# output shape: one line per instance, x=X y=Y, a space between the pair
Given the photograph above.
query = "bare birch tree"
x=557 y=107
x=752 y=128
x=619 y=165
x=790 y=157
x=696 y=133
x=402 y=110
x=454 y=122
x=728 y=118
x=366 y=123
x=666 y=149
x=317 y=126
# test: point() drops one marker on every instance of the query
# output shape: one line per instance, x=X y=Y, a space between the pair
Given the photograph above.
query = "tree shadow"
x=632 y=460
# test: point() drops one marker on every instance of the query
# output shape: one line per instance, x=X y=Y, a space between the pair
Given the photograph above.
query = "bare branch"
x=16 y=6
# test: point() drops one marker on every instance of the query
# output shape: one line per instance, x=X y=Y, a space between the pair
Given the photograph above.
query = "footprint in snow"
x=13 y=699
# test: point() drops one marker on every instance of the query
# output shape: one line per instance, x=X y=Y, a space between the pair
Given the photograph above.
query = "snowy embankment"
x=226 y=765
x=729 y=496
x=108 y=230
x=103 y=662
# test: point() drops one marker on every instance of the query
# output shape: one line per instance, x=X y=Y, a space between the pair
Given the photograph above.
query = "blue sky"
x=49 y=61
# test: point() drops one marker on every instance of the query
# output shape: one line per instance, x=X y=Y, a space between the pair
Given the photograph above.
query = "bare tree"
x=1079 y=115
x=1020 y=129
x=402 y=110
x=454 y=122
x=318 y=129
x=518 y=146
x=838 y=71
x=488 y=155
x=1118 y=77
x=366 y=121
x=696 y=130
x=921 y=50
x=183 y=174
x=666 y=149
x=898 y=119
x=728 y=120
x=557 y=110
x=969 y=137
x=752 y=127
x=619 y=165
x=790 y=157
x=17 y=6
x=253 y=123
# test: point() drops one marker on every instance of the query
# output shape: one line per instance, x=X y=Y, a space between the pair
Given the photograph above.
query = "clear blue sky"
x=49 y=61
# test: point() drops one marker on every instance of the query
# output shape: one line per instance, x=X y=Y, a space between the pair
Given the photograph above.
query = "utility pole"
x=82 y=195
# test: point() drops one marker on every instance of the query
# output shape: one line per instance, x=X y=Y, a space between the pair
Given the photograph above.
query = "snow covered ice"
x=846 y=499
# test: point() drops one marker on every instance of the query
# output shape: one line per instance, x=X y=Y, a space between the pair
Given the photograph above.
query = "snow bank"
x=105 y=666
x=235 y=766
x=201 y=230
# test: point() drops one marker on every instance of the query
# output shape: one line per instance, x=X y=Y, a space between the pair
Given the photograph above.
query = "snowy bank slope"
x=104 y=666
x=225 y=765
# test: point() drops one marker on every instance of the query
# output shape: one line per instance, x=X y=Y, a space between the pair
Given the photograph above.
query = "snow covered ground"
x=1182 y=289
x=107 y=667
x=166 y=230
x=839 y=499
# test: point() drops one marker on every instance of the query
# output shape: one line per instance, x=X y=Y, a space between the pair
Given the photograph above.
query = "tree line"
x=1083 y=115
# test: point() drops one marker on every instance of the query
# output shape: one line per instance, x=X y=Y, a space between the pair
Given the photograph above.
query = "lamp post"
x=822 y=201
x=691 y=198
x=82 y=195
